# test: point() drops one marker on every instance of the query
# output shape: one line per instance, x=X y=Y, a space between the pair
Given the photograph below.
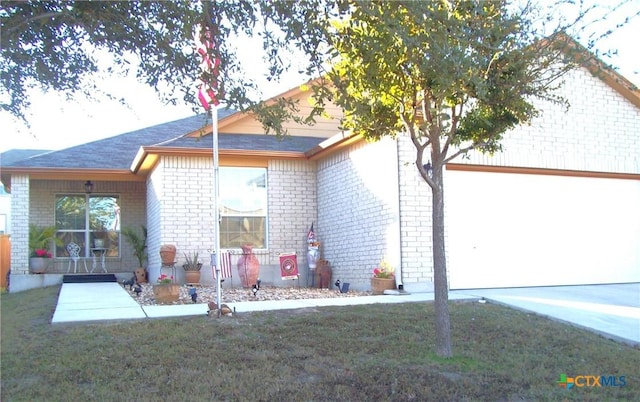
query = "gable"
x=246 y=123
x=598 y=132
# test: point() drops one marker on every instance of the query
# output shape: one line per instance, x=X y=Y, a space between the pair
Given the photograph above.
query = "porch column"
x=19 y=224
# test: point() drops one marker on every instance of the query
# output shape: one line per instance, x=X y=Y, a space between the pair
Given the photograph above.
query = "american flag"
x=225 y=265
x=209 y=65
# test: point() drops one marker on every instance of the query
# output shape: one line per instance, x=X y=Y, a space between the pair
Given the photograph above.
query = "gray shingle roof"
x=248 y=142
x=13 y=155
x=119 y=151
x=114 y=152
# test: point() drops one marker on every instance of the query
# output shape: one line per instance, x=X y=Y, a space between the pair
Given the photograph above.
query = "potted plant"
x=165 y=291
x=383 y=278
x=139 y=245
x=192 y=268
x=40 y=239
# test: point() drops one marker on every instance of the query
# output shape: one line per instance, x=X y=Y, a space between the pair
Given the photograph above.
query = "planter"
x=248 y=267
x=98 y=243
x=166 y=293
x=168 y=254
x=141 y=275
x=38 y=265
x=379 y=285
x=192 y=277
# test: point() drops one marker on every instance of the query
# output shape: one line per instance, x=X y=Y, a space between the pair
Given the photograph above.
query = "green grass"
x=358 y=353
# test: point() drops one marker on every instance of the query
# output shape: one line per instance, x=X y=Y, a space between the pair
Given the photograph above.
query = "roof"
x=13 y=155
x=114 y=152
x=125 y=153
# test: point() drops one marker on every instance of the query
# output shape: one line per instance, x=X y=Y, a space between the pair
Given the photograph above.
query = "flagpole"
x=216 y=196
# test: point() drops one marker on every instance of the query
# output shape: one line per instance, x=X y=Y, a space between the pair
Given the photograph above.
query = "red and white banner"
x=208 y=88
x=225 y=266
x=289 y=266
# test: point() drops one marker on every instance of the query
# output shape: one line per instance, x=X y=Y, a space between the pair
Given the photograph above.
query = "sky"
x=57 y=123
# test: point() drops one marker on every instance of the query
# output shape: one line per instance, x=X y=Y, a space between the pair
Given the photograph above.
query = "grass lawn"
x=358 y=353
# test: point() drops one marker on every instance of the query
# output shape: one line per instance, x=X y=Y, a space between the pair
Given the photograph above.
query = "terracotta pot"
x=38 y=265
x=248 y=267
x=168 y=254
x=192 y=277
x=166 y=293
x=379 y=285
x=141 y=275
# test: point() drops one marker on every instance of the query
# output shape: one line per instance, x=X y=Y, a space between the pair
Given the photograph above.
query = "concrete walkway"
x=109 y=301
x=610 y=310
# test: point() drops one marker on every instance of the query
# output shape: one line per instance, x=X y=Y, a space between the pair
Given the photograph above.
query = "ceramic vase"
x=248 y=267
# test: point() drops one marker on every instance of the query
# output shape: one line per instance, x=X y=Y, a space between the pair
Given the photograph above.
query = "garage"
x=518 y=228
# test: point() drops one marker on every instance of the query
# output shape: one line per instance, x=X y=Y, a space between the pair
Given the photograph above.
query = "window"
x=243 y=207
x=90 y=221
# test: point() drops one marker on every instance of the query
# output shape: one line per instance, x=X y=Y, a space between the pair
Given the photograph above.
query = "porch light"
x=88 y=187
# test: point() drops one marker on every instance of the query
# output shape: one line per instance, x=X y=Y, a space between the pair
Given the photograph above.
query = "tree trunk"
x=443 y=324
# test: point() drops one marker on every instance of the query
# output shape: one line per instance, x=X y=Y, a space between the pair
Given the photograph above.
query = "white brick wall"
x=358 y=216
x=415 y=217
x=19 y=224
x=292 y=206
x=599 y=132
x=180 y=207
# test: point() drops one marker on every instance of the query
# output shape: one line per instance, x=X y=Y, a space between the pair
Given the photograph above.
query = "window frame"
x=224 y=234
x=88 y=234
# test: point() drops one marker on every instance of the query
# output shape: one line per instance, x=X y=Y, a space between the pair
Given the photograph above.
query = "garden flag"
x=205 y=46
x=288 y=266
x=225 y=265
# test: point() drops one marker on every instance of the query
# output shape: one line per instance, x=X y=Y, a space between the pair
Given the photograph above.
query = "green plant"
x=191 y=263
x=384 y=271
x=138 y=243
x=40 y=238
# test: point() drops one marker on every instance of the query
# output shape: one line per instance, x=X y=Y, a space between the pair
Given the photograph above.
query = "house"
x=559 y=206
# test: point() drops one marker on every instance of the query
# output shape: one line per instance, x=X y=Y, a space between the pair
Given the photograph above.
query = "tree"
x=58 y=45
x=453 y=77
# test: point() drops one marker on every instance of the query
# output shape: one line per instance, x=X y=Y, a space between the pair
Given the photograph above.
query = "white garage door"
x=513 y=230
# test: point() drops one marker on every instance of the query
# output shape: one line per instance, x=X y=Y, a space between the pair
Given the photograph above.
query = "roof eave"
x=51 y=173
x=148 y=157
x=333 y=144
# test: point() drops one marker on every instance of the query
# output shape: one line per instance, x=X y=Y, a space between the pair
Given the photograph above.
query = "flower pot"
x=98 y=243
x=192 y=277
x=166 y=293
x=379 y=285
x=38 y=265
x=248 y=267
x=141 y=275
x=168 y=254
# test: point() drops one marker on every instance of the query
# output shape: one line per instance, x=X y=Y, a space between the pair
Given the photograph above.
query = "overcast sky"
x=57 y=123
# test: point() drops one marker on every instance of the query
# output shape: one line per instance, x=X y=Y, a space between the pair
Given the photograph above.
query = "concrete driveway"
x=610 y=310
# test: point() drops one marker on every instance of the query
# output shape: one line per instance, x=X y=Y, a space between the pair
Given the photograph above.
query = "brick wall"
x=180 y=205
x=358 y=216
x=415 y=218
x=19 y=225
x=599 y=132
